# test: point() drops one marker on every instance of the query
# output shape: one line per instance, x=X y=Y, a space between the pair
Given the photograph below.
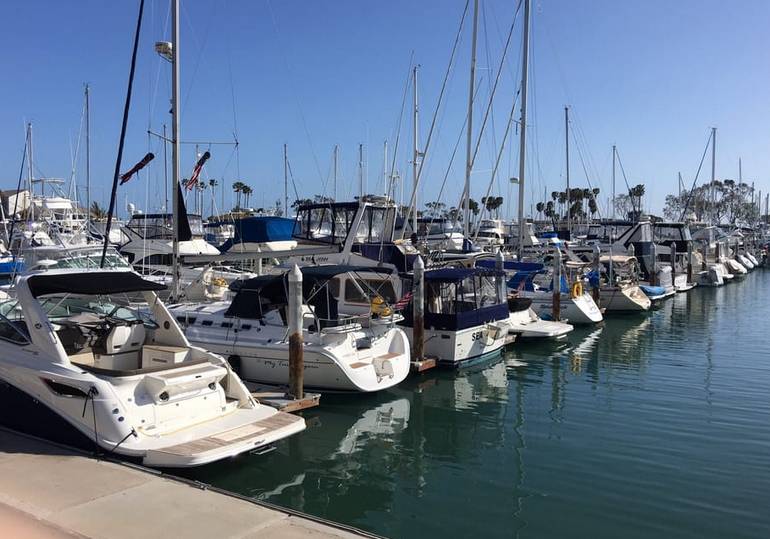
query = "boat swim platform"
x=279 y=398
x=51 y=491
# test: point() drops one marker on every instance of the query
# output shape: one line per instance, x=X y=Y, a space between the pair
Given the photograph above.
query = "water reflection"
x=626 y=424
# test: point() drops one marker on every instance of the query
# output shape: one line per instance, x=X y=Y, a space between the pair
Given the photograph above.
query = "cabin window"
x=14 y=331
x=156 y=260
x=372 y=288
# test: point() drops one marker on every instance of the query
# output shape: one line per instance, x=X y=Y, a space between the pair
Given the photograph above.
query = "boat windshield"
x=160 y=226
x=116 y=308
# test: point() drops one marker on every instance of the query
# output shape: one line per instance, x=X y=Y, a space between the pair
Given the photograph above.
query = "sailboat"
x=343 y=353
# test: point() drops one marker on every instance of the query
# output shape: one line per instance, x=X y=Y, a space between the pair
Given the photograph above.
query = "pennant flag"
x=193 y=181
x=137 y=167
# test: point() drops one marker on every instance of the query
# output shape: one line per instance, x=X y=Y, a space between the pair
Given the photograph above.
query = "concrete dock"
x=54 y=492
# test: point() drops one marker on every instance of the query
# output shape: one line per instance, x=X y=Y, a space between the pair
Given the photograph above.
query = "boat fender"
x=576 y=290
x=379 y=307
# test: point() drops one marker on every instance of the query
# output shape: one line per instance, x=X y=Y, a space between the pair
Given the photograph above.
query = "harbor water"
x=654 y=425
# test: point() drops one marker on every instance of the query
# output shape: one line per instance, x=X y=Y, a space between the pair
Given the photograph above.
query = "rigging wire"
x=447 y=75
x=695 y=180
x=294 y=92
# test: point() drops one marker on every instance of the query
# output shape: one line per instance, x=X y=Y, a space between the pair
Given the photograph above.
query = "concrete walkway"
x=47 y=491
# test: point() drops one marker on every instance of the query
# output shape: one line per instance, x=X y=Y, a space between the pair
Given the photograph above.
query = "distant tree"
x=97 y=212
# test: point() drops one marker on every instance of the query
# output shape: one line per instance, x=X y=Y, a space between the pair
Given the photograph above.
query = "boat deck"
x=50 y=491
x=232 y=437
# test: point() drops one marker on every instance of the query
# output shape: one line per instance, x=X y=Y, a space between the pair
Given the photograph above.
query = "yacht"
x=359 y=352
x=80 y=363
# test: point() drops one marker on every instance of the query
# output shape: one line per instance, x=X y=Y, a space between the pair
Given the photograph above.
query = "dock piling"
x=673 y=260
x=418 y=312
x=500 y=266
x=595 y=291
x=557 y=283
x=296 y=360
x=689 y=261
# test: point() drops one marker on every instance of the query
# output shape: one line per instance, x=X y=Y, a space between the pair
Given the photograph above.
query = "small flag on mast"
x=193 y=181
x=136 y=168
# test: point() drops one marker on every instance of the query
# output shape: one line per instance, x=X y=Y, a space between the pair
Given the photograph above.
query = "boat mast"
x=30 y=172
x=388 y=187
x=361 y=170
x=415 y=149
x=285 y=181
x=468 y=156
x=612 y=202
x=713 y=167
x=566 y=148
x=175 y=148
x=336 y=151
x=88 y=153
x=523 y=125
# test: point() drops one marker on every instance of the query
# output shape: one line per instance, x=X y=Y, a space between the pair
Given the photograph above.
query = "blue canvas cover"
x=260 y=230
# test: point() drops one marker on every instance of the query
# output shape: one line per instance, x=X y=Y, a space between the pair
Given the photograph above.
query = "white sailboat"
x=355 y=353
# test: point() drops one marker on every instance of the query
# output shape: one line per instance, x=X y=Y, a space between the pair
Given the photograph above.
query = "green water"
x=655 y=425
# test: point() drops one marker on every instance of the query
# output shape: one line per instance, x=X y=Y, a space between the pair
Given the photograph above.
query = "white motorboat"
x=465 y=316
x=79 y=362
x=619 y=290
x=526 y=324
x=363 y=353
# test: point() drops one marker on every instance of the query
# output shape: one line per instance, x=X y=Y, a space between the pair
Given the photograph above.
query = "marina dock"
x=48 y=491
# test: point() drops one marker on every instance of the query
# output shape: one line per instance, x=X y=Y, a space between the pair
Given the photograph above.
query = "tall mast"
x=468 y=156
x=361 y=170
x=415 y=149
x=30 y=172
x=713 y=163
x=336 y=150
x=88 y=153
x=614 y=151
x=285 y=181
x=175 y=148
x=385 y=171
x=165 y=170
x=523 y=124
x=679 y=183
x=566 y=148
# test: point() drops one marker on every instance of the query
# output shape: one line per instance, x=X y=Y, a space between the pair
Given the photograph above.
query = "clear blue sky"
x=652 y=77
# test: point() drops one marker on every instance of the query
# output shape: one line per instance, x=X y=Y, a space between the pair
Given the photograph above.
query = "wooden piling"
x=689 y=261
x=673 y=260
x=595 y=291
x=653 y=271
x=296 y=359
x=418 y=311
x=556 y=308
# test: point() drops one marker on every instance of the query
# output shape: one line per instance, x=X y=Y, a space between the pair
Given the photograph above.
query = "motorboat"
x=345 y=353
x=79 y=361
x=532 y=280
x=619 y=289
x=466 y=317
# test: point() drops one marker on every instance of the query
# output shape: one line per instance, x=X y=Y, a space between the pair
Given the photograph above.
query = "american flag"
x=193 y=181
x=403 y=302
x=136 y=168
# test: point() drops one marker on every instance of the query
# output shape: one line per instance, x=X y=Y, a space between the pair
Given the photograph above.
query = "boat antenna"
x=126 y=108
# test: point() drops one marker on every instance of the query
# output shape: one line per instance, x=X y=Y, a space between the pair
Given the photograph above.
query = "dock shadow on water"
x=647 y=425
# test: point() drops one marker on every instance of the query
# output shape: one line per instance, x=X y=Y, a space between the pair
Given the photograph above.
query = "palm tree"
x=247 y=192
x=97 y=212
x=238 y=188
